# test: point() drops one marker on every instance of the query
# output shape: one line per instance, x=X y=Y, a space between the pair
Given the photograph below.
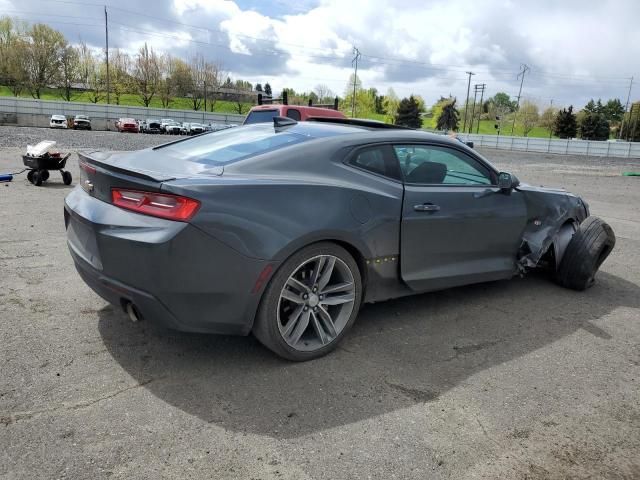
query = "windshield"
x=226 y=146
x=260 y=116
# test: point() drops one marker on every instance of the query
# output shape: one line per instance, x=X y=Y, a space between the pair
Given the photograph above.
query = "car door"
x=457 y=226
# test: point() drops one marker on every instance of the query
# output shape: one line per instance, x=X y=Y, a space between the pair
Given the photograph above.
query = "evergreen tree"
x=267 y=89
x=409 y=113
x=590 y=107
x=565 y=125
x=449 y=117
x=613 y=110
x=258 y=87
x=593 y=126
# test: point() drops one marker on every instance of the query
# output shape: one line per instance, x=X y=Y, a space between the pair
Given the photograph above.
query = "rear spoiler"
x=89 y=158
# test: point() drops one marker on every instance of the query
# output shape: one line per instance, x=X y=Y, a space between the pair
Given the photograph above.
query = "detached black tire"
x=588 y=248
x=310 y=303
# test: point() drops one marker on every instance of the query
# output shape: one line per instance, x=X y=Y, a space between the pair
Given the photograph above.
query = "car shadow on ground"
x=398 y=354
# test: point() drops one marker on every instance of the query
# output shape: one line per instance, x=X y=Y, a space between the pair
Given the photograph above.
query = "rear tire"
x=324 y=306
x=30 y=175
x=67 y=178
x=44 y=174
x=589 y=247
x=37 y=179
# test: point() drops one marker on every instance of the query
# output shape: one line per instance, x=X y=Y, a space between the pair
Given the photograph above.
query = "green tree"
x=613 y=110
x=69 y=74
x=267 y=89
x=565 y=125
x=13 y=52
x=631 y=124
x=258 y=87
x=146 y=74
x=593 y=126
x=503 y=102
x=548 y=118
x=590 y=107
x=42 y=59
x=449 y=117
x=528 y=117
x=408 y=114
x=390 y=104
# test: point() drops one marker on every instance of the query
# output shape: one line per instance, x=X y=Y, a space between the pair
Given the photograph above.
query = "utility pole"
x=626 y=107
x=551 y=128
x=473 y=111
x=106 y=35
x=355 y=79
x=525 y=69
x=482 y=87
x=464 y=125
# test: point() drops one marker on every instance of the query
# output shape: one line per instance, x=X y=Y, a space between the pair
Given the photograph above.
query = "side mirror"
x=507 y=181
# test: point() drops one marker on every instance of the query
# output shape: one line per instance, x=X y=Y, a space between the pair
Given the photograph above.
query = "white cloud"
x=410 y=45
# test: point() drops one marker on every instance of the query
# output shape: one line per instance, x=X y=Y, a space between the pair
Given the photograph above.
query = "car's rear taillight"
x=163 y=205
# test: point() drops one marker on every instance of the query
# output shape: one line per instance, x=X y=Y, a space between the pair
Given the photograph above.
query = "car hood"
x=158 y=165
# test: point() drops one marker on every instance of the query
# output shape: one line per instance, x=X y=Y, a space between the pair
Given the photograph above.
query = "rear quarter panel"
x=287 y=203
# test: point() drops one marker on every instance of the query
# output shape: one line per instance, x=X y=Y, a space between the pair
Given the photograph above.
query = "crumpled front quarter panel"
x=547 y=211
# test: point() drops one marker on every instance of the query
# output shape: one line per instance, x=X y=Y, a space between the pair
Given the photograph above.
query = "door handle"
x=426 y=207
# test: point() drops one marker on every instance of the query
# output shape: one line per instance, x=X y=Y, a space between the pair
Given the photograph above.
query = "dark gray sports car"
x=285 y=229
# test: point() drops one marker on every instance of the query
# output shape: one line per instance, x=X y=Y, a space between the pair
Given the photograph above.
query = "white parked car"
x=195 y=128
x=58 y=121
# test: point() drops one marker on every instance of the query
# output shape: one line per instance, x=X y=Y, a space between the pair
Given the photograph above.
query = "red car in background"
x=127 y=125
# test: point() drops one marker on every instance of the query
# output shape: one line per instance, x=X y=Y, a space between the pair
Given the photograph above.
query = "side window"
x=293 y=114
x=376 y=159
x=429 y=165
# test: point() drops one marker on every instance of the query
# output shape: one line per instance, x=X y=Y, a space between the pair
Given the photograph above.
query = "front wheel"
x=588 y=248
x=310 y=303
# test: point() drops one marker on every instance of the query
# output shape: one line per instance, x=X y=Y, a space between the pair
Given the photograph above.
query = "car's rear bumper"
x=175 y=274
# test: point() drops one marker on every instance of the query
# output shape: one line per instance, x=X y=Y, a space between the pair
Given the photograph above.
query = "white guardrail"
x=590 y=148
x=28 y=106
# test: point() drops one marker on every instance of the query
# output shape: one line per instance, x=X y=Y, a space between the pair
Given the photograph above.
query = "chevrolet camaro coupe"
x=284 y=229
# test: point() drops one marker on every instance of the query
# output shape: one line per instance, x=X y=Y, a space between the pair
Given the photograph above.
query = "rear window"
x=260 y=116
x=226 y=146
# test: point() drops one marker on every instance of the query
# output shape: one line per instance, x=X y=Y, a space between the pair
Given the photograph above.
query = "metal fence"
x=590 y=148
x=28 y=106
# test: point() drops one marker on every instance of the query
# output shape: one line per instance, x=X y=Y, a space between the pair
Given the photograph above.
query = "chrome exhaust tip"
x=133 y=313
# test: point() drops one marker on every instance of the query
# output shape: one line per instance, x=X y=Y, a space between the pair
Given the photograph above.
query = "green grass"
x=487 y=128
x=132 y=100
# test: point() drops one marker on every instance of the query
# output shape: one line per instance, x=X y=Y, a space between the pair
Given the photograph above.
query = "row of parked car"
x=150 y=125
x=166 y=126
x=79 y=122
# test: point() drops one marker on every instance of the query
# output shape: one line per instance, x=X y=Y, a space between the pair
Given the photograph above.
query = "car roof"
x=364 y=132
x=309 y=110
x=57 y=116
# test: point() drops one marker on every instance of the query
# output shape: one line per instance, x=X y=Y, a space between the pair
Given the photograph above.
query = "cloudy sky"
x=576 y=49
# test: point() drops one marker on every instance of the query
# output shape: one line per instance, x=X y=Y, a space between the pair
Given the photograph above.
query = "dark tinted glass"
x=260 y=116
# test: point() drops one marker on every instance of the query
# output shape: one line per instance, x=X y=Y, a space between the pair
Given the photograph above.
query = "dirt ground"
x=518 y=379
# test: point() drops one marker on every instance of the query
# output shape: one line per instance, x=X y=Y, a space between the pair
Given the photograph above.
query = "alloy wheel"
x=316 y=302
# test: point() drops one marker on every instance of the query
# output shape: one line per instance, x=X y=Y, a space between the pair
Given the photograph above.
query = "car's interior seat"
x=372 y=160
x=427 y=172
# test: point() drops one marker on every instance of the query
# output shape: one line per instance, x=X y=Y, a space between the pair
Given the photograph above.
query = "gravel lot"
x=515 y=380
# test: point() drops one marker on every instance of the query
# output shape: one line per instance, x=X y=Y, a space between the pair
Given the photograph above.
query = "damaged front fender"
x=553 y=216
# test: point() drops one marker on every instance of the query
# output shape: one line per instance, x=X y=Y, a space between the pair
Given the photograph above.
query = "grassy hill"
x=180 y=103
